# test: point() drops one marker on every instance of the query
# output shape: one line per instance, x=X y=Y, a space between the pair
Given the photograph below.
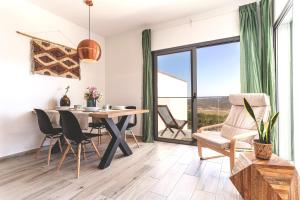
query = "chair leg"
x=91 y=130
x=135 y=139
x=83 y=151
x=49 y=151
x=96 y=150
x=59 y=145
x=171 y=130
x=63 y=157
x=199 y=149
x=163 y=131
x=40 y=148
x=177 y=133
x=99 y=137
x=67 y=141
x=232 y=154
x=78 y=159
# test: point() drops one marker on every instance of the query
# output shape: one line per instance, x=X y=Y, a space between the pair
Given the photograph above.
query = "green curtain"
x=257 y=52
x=250 y=49
x=147 y=87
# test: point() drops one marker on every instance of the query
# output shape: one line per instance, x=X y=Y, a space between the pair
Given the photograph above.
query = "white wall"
x=124 y=51
x=22 y=91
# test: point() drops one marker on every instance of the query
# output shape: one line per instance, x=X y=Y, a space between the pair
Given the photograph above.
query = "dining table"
x=115 y=129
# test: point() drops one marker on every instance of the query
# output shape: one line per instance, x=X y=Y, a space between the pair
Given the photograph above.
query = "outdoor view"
x=217 y=77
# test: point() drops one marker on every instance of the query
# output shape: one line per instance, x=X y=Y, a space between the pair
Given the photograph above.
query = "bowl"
x=92 y=109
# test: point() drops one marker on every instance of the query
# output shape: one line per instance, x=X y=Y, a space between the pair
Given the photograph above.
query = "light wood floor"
x=154 y=172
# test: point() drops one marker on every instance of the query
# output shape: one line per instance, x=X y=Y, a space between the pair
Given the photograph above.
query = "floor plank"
x=156 y=171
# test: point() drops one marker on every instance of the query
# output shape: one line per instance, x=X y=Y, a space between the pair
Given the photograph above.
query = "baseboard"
x=32 y=151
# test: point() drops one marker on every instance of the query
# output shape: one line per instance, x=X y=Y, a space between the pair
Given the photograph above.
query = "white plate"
x=92 y=109
x=118 y=107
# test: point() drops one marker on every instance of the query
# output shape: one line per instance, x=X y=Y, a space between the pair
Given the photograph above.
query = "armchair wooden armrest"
x=209 y=127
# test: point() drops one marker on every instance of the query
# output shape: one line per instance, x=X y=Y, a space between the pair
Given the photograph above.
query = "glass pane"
x=174 y=90
x=285 y=87
x=174 y=75
x=218 y=75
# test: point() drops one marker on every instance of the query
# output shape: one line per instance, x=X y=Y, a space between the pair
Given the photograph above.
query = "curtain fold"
x=257 y=52
x=147 y=126
x=251 y=73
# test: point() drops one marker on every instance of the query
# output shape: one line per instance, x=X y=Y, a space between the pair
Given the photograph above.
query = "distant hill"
x=212 y=103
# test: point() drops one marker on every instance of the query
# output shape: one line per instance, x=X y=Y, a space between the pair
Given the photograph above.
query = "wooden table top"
x=117 y=113
x=107 y=114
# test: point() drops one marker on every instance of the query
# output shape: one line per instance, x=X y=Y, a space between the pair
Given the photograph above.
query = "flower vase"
x=91 y=103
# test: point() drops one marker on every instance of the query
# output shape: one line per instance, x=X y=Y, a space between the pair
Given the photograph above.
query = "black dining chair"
x=51 y=133
x=132 y=123
x=74 y=134
x=98 y=125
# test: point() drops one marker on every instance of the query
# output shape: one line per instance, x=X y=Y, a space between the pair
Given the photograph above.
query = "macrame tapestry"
x=54 y=60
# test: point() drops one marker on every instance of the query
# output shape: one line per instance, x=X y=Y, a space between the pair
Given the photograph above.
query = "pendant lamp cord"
x=89 y=22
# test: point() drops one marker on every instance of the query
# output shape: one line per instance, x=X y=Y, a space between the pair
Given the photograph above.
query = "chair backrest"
x=166 y=115
x=71 y=127
x=239 y=120
x=44 y=121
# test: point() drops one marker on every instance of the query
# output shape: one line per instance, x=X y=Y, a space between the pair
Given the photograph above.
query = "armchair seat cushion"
x=214 y=138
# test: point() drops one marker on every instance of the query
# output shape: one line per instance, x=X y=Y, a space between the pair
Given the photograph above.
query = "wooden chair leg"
x=171 y=130
x=40 y=148
x=97 y=152
x=67 y=141
x=135 y=139
x=232 y=154
x=78 y=159
x=163 y=131
x=59 y=145
x=177 y=133
x=199 y=149
x=49 y=151
x=63 y=157
x=83 y=151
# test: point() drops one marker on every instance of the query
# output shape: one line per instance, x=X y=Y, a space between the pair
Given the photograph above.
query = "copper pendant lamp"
x=89 y=50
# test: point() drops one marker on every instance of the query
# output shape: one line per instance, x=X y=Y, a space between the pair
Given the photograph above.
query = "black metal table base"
x=117 y=132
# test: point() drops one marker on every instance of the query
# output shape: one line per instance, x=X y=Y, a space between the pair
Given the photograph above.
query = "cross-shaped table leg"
x=117 y=132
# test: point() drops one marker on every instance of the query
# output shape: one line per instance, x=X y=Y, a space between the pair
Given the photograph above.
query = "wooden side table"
x=273 y=179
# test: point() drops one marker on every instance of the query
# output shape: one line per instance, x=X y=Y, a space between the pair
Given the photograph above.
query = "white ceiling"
x=114 y=16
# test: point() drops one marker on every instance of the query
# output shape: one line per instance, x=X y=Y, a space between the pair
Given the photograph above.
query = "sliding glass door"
x=174 y=96
x=191 y=87
x=284 y=57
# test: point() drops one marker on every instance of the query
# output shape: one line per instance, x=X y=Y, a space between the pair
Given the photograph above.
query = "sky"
x=218 y=69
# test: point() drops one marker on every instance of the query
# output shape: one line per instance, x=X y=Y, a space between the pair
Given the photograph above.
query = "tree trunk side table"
x=273 y=179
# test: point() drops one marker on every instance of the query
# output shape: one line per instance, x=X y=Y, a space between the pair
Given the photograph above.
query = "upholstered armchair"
x=238 y=130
